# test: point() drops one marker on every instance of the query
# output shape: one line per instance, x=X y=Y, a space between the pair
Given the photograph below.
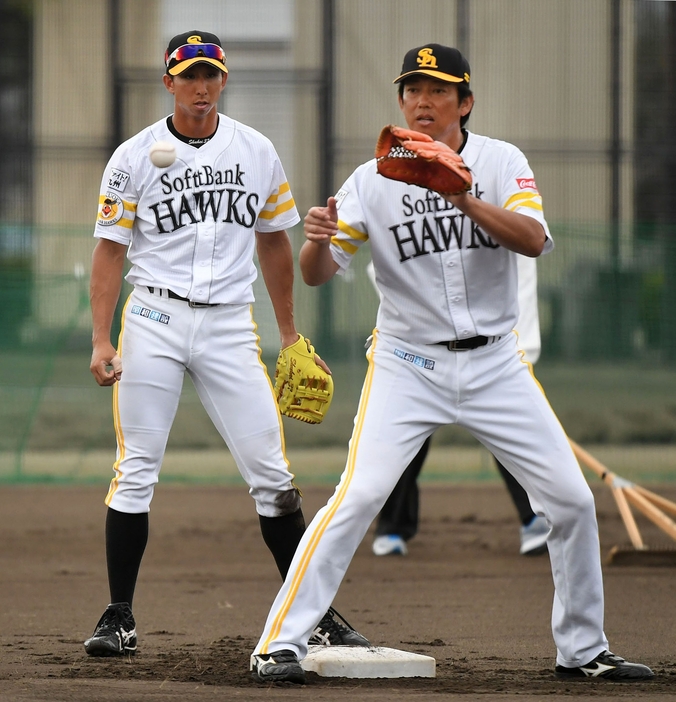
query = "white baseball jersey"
x=440 y=276
x=528 y=324
x=190 y=227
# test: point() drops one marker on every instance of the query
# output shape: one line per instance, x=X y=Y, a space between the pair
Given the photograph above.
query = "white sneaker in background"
x=389 y=545
x=534 y=537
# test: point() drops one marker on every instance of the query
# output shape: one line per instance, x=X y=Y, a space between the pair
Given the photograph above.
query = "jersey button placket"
x=201 y=270
x=454 y=284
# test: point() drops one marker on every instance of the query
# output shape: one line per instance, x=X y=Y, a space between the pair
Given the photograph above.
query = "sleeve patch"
x=118 y=180
x=524 y=183
x=111 y=209
x=340 y=196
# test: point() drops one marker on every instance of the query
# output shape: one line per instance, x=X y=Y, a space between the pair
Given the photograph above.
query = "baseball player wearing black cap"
x=189 y=231
x=444 y=352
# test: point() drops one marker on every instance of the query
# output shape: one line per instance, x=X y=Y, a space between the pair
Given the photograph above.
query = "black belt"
x=473 y=342
x=176 y=296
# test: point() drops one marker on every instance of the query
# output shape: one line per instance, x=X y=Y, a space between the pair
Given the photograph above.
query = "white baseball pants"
x=161 y=340
x=409 y=391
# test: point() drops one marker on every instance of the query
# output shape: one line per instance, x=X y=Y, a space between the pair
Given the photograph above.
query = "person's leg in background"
x=534 y=529
x=398 y=519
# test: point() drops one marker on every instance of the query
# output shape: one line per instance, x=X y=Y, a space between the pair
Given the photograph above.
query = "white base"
x=362 y=662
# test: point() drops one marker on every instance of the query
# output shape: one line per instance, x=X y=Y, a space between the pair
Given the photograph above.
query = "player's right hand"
x=106 y=365
x=321 y=223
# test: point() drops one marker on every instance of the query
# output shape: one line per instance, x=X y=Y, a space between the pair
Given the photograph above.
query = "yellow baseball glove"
x=303 y=390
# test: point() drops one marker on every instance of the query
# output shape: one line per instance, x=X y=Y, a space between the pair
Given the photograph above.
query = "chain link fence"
x=586 y=88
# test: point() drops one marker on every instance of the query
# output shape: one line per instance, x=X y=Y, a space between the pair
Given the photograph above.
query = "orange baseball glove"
x=417 y=159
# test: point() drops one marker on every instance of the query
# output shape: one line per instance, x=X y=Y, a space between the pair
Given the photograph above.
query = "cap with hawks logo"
x=189 y=48
x=438 y=61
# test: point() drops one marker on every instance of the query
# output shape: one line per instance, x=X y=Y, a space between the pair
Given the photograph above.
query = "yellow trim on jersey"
x=273 y=198
x=280 y=209
x=128 y=207
x=119 y=434
x=354 y=234
x=330 y=511
x=523 y=196
x=521 y=200
x=533 y=205
x=345 y=245
x=351 y=232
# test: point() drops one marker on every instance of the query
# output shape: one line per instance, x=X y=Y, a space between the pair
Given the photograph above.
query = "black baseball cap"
x=189 y=48
x=438 y=61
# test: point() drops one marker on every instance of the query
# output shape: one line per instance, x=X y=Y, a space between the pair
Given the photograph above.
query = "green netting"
x=607 y=294
x=610 y=378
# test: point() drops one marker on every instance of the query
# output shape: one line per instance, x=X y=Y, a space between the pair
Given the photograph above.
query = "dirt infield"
x=463 y=595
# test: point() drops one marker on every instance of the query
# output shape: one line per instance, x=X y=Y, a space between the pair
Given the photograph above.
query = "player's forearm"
x=104 y=289
x=512 y=230
x=275 y=257
x=316 y=263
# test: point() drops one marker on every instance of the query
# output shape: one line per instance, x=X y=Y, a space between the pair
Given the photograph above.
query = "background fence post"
x=326 y=154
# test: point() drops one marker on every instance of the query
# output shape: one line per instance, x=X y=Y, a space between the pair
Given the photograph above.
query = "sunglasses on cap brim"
x=191 y=51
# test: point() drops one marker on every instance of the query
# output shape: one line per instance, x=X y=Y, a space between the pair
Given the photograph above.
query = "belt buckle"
x=455 y=347
x=193 y=304
x=463 y=345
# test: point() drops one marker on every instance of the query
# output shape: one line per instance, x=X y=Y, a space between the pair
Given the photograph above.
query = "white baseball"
x=116 y=363
x=162 y=154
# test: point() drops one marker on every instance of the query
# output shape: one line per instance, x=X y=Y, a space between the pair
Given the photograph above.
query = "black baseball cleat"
x=331 y=632
x=280 y=666
x=115 y=634
x=606 y=666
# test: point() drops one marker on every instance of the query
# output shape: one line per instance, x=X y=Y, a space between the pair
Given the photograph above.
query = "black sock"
x=281 y=536
x=126 y=539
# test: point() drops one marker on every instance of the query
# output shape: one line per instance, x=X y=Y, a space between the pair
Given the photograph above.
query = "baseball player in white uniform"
x=398 y=520
x=444 y=352
x=189 y=231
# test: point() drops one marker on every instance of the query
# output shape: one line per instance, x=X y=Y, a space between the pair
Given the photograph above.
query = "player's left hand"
x=322 y=364
x=303 y=383
x=416 y=159
x=290 y=340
